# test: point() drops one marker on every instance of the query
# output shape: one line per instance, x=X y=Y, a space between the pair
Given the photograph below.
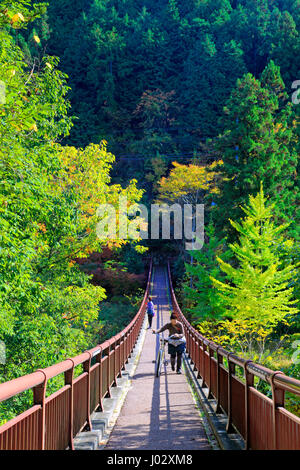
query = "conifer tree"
x=258 y=293
x=258 y=146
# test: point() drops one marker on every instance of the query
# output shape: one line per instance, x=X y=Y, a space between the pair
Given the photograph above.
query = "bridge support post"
x=115 y=361
x=125 y=349
x=123 y=352
x=198 y=358
x=219 y=362
x=108 y=373
x=204 y=384
x=210 y=355
x=193 y=345
x=278 y=396
x=195 y=352
x=120 y=358
x=189 y=344
x=249 y=382
x=39 y=396
x=130 y=344
x=231 y=371
x=69 y=377
x=99 y=360
x=87 y=368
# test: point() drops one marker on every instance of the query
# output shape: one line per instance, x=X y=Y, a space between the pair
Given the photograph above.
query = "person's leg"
x=179 y=361
x=150 y=320
x=173 y=357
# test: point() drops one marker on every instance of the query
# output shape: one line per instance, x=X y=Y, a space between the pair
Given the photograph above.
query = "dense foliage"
x=49 y=195
x=153 y=78
x=194 y=97
x=260 y=147
x=260 y=292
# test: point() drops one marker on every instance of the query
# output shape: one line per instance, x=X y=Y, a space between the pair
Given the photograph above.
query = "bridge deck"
x=158 y=413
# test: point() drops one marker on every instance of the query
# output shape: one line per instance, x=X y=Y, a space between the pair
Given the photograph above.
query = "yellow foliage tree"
x=84 y=175
x=187 y=183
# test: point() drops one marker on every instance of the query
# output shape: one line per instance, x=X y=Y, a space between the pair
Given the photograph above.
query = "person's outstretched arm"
x=163 y=328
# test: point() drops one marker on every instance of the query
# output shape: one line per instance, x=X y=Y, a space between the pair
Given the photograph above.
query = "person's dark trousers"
x=179 y=361
x=150 y=317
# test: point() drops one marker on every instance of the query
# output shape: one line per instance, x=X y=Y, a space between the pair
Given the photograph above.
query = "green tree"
x=49 y=195
x=258 y=145
x=258 y=292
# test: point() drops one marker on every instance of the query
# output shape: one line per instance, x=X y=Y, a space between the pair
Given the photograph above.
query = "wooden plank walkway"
x=158 y=413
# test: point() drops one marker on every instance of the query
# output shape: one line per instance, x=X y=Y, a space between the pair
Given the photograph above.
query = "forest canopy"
x=173 y=101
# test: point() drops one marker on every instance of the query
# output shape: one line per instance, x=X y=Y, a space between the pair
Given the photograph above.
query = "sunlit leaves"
x=258 y=293
x=17 y=17
x=186 y=181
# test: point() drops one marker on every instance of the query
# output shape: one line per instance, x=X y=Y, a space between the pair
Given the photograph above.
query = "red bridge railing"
x=263 y=422
x=52 y=422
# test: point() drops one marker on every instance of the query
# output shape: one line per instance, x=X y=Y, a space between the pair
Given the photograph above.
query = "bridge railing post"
x=100 y=380
x=204 y=379
x=219 y=362
x=69 y=377
x=122 y=353
x=108 y=372
x=231 y=372
x=136 y=330
x=126 y=341
x=198 y=357
x=87 y=368
x=189 y=343
x=114 y=361
x=194 y=339
x=120 y=356
x=210 y=355
x=39 y=397
x=129 y=342
x=132 y=340
x=191 y=347
x=278 y=396
x=249 y=382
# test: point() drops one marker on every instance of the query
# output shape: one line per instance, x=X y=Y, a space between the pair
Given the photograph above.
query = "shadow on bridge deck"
x=158 y=413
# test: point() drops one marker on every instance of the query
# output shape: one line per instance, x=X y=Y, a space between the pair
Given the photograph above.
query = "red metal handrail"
x=264 y=423
x=52 y=422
